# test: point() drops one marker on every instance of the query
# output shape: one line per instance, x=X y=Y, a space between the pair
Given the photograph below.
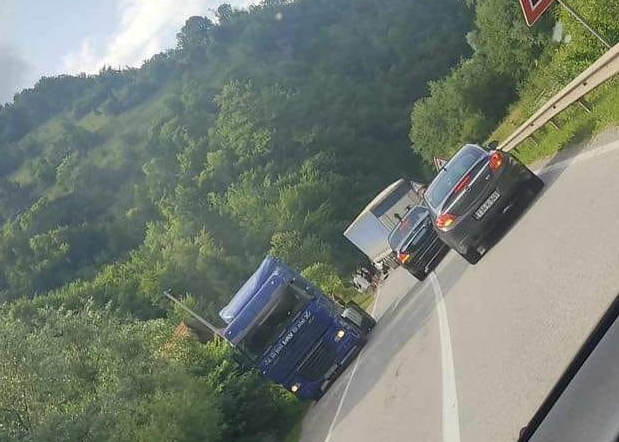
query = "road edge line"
x=451 y=415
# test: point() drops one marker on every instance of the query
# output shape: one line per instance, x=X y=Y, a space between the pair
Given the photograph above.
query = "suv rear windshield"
x=452 y=173
x=402 y=231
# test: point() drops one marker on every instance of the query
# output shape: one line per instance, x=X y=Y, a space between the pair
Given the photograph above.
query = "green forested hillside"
x=267 y=130
x=283 y=120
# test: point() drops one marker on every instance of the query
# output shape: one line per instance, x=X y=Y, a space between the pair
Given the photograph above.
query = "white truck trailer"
x=369 y=231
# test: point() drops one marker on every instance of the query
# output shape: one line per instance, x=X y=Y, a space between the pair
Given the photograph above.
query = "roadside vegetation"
x=522 y=69
x=575 y=125
x=264 y=130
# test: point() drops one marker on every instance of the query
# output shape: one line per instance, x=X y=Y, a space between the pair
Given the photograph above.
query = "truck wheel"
x=359 y=317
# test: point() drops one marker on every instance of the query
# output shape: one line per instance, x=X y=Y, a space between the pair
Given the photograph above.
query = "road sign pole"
x=581 y=19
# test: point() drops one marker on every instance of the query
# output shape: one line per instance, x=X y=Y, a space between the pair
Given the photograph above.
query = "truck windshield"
x=273 y=321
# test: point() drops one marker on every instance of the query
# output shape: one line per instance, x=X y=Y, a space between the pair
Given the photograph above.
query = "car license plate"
x=487 y=204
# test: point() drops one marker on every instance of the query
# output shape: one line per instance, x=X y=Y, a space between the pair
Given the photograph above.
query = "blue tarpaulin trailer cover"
x=270 y=266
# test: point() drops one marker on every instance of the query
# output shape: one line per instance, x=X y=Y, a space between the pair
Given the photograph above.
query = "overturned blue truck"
x=291 y=331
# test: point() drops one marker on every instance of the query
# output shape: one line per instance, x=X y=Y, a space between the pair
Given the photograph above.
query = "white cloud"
x=84 y=60
x=146 y=27
x=14 y=72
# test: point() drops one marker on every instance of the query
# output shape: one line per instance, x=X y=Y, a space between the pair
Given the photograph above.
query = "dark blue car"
x=415 y=242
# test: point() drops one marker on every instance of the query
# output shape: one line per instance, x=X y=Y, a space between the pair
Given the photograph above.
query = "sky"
x=51 y=37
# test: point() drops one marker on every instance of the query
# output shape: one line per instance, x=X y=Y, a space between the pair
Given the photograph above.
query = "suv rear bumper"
x=472 y=232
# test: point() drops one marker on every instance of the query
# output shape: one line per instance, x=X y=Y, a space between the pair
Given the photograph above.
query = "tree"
x=297 y=251
x=194 y=38
x=88 y=376
x=224 y=12
x=467 y=104
x=268 y=130
x=504 y=38
x=329 y=281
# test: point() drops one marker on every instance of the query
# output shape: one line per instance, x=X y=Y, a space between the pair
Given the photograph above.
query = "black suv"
x=416 y=244
x=471 y=193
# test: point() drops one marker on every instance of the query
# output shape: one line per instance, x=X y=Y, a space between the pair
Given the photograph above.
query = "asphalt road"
x=470 y=353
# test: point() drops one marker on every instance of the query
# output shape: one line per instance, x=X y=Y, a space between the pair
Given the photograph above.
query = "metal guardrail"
x=606 y=67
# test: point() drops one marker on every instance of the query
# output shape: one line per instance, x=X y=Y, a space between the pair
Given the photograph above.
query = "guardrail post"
x=602 y=70
x=586 y=106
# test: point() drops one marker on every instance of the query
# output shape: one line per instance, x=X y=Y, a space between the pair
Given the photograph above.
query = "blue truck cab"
x=291 y=331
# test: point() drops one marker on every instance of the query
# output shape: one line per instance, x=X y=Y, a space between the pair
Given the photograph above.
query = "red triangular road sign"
x=439 y=163
x=533 y=9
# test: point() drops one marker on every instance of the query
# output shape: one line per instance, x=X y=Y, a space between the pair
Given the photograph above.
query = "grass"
x=575 y=124
x=295 y=432
x=365 y=300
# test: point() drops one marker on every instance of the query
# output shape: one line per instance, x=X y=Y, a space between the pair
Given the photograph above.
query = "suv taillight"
x=444 y=221
x=404 y=257
x=496 y=161
x=462 y=184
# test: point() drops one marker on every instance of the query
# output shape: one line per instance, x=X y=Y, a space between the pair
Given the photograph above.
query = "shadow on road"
x=550 y=173
x=402 y=321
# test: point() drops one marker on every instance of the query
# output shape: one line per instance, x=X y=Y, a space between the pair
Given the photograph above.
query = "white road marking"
x=451 y=416
x=352 y=375
x=588 y=155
